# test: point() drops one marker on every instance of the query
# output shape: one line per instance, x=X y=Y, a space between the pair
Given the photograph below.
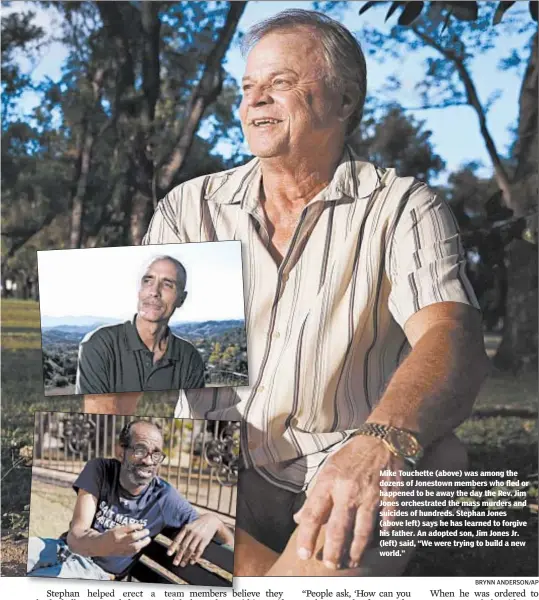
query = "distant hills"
x=221 y=344
x=206 y=329
x=83 y=321
x=73 y=329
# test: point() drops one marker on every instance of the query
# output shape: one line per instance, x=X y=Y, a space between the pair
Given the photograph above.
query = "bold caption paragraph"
x=460 y=509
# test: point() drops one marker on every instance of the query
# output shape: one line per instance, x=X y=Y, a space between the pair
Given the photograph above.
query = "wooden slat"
x=142 y=572
x=220 y=555
x=194 y=574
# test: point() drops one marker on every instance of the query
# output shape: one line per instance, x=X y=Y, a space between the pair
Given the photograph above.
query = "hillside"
x=222 y=345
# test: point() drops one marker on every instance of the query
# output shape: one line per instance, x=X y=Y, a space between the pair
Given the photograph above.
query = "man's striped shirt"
x=324 y=328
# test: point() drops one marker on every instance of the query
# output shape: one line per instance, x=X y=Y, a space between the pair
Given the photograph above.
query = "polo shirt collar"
x=134 y=343
x=174 y=348
x=353 y=180
x=133 y=340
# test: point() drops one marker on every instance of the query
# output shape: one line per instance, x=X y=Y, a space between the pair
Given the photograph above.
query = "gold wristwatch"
x=399 y=441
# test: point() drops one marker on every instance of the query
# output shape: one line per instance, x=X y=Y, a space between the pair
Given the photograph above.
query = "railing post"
x=41 y=430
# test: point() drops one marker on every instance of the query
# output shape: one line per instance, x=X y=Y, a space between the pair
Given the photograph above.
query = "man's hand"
x=125 y=540
x=345 y=498
x=193 y=538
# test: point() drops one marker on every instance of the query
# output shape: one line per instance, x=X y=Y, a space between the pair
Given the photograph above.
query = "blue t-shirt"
x=160 y=505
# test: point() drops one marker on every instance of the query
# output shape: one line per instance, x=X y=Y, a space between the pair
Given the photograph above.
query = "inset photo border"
x=111 y=495
x=142 y=318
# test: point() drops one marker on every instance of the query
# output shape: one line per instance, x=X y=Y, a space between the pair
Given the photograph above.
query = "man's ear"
x=120 y=452
x=349 y=99
x=181 y=299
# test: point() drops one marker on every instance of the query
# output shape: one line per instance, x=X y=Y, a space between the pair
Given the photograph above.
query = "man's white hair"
x=342 y=52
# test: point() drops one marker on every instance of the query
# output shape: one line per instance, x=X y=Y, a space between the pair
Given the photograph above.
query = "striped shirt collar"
x=353 y=180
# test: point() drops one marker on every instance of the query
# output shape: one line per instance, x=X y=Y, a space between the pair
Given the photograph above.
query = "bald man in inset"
x=121 y=505
x=143 y=354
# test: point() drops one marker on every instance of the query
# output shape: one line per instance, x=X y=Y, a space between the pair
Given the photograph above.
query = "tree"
x=136 y=106
x=388 y=136
x=18 y=34
x=215 y=355
x=467 y=193
x=462 y=11
x=448 y=81
x=21 y=194
x=122 y=121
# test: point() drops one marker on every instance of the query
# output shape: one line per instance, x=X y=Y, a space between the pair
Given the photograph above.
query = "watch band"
x=375 y=430
x=382 y=432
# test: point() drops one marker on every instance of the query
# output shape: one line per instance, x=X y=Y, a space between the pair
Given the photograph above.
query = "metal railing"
x=201 y=456
x=219 y=377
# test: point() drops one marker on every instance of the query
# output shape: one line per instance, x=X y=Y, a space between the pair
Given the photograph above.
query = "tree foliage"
x=389 y=136
x=109 y=137
x=19 y=36
x=120 y=127
x=501 y=229
x=461 y=11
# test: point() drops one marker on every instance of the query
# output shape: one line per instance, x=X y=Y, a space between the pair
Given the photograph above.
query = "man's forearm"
x=434 y=389
x=87 y=542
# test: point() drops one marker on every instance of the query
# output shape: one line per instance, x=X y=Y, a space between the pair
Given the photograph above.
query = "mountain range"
x=73 y=329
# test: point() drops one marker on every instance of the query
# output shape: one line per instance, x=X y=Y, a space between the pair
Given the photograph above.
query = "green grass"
x=504 y=442
x=20 y=314
x=20 y=325
x=21 y=340
x=501 y=389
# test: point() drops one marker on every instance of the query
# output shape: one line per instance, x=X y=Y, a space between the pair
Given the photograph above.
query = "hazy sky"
x=103 y=282
x=455 y=130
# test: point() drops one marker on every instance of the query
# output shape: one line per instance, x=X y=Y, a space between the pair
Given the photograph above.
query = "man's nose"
x=155 y=288
x=147 y=460
x=258 y=95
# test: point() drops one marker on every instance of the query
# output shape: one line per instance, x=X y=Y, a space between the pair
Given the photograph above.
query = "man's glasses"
x=141 y=452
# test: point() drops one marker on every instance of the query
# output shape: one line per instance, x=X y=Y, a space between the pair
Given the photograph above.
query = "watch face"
x=404 y=443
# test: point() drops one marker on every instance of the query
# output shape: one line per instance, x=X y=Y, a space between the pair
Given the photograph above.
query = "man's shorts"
x=266 y=511
x=51 y=557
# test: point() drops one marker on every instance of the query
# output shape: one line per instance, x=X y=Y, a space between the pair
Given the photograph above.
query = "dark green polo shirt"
x=114 y=359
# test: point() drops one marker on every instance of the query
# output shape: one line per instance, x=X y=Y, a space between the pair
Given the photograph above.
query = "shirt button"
x=260 y=388
x=276 y=335
x=252 y=445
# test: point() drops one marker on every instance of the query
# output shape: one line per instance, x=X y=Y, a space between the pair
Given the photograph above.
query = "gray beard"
x=129 y=470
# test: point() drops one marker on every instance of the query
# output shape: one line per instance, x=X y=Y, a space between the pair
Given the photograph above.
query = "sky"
x=455 y=130
x=103 y=282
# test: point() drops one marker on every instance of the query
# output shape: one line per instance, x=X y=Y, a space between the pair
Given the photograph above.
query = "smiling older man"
x=347 y=265
x=143 y=354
